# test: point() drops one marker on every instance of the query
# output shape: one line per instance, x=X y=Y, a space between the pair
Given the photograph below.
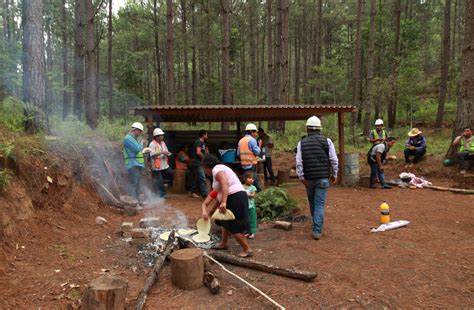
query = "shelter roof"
x=235 y=113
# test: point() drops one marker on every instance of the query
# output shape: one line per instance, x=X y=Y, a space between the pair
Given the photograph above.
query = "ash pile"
x=152 y=234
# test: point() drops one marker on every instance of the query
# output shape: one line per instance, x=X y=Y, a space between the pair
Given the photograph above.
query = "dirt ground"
x=427 y=264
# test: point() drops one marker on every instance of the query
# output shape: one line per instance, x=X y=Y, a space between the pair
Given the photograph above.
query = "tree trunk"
x=392 y=104
x=269 y=53
x=65 y=49
x=253 y=44
x=284 y=86
x=305 y=47
x=169 y=54
x=465 y=109
x=444 y=64
x=370 y=69
x=79 y=59
x=226 y=52
x=357 y=61
x=193 y=57
x=185 y=52
x=277 y=68
x=110 y=92
x=156 y=29
x=319 y=49
x=106 y=292
x=34 y=93
x=49 y=67
x=91 y=104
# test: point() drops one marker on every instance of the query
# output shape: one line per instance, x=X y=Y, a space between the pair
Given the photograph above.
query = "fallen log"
x=450 y=189
x=151 y=279
x=262 y=266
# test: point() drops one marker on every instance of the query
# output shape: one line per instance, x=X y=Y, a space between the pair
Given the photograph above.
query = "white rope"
x=243 y=280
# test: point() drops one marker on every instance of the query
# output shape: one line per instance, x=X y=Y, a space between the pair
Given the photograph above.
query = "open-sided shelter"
x=155 y=115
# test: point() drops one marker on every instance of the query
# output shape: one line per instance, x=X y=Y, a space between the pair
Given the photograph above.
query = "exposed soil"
x=51 y=244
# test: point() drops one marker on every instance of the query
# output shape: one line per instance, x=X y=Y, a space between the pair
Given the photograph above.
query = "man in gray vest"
x=316 y=167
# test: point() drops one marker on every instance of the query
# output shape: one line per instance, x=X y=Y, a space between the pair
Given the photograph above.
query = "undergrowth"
x=275 y=202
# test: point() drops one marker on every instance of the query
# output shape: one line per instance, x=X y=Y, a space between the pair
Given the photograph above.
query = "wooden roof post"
x=149 y=125
x=340 y=124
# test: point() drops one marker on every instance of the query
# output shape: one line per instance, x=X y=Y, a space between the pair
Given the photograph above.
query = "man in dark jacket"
x=316 y=167
x=415 y=146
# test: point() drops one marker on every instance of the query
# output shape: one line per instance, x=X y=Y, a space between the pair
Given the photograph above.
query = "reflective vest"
x=247 y=157
x=159 y=161
x=182 y=165
x=470 y=149
x=376 y=135
x=138 y=157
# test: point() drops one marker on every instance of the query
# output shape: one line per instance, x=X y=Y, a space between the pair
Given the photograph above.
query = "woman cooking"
x=230 y=195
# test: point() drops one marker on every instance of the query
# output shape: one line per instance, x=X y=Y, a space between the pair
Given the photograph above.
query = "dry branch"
x=151 y=279
x=262 y=266
x=450 y=189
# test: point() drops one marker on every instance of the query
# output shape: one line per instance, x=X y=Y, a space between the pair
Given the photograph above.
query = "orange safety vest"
x=247 y=157
x=182 y=165
x=159 y=162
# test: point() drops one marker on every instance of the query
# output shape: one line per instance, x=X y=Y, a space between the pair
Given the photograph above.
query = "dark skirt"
x=238 y=203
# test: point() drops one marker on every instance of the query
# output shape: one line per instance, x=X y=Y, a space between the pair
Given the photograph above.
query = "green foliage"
x=11 y=114
x=275 y=202
x=5 y=177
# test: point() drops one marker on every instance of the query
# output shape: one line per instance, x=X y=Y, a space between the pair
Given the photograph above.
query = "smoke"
x=101 y=159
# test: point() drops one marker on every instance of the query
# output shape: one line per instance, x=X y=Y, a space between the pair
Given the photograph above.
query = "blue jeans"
x=317 y=193
x=375 y=171
x=134 y=175
x=199 y=184
x=158 y=182
x=418 y=154
x=253 y=170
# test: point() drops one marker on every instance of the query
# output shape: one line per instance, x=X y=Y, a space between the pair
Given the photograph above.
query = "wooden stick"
x=109 y=170
x=246 y=282
x=450 y=189
x=262 y=266
x=151 y=279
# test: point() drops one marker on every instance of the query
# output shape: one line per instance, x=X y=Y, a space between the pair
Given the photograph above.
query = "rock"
x=100 y=220
x=130 y=210
x=126 y=235
x=149 y=222
x=282 y=225
x=229 y=293
x=138 y=233
x=127 y=226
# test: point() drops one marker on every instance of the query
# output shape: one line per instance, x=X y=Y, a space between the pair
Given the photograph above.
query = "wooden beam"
x=149 y=125
x=340 y=124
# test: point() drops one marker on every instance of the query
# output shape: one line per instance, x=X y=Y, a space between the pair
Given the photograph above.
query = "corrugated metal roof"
x=235 y=113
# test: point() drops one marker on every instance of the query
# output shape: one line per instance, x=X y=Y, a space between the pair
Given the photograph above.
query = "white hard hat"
x=158 y=132
x=313 y=121
x=378 y=122
x=250 y=127
x=137 y=125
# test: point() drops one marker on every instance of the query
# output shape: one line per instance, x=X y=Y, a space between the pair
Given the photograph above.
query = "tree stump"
x=105 y=293
x=179 y=182
x=187 y=268
x=283 y=176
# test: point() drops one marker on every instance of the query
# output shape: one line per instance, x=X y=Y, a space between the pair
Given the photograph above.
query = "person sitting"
x=378 y=135
x=415 y=146
x=183 y=162
x=375 y=158
x=466 y=149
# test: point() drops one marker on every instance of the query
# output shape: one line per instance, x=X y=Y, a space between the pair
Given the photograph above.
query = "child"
x=251 y=192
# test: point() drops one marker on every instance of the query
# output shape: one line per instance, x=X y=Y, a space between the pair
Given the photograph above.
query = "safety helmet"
x=250 y=127
x=313 y=122
x=158 y=132
x=137 y=125
x=378 y=122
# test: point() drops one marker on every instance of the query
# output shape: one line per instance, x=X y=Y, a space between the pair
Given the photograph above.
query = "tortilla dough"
x=203 y=226
x=227 y=216
x=184 y=231
x=201 y=238
x=165 y=236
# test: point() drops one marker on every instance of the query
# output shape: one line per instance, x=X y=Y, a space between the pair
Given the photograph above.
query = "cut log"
x=212 y=282
x=179 y=182
x=187 y=269
x=151 y=279
x=283 y=177
x=262 y=266
x=105 y=293
x=282 y=225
